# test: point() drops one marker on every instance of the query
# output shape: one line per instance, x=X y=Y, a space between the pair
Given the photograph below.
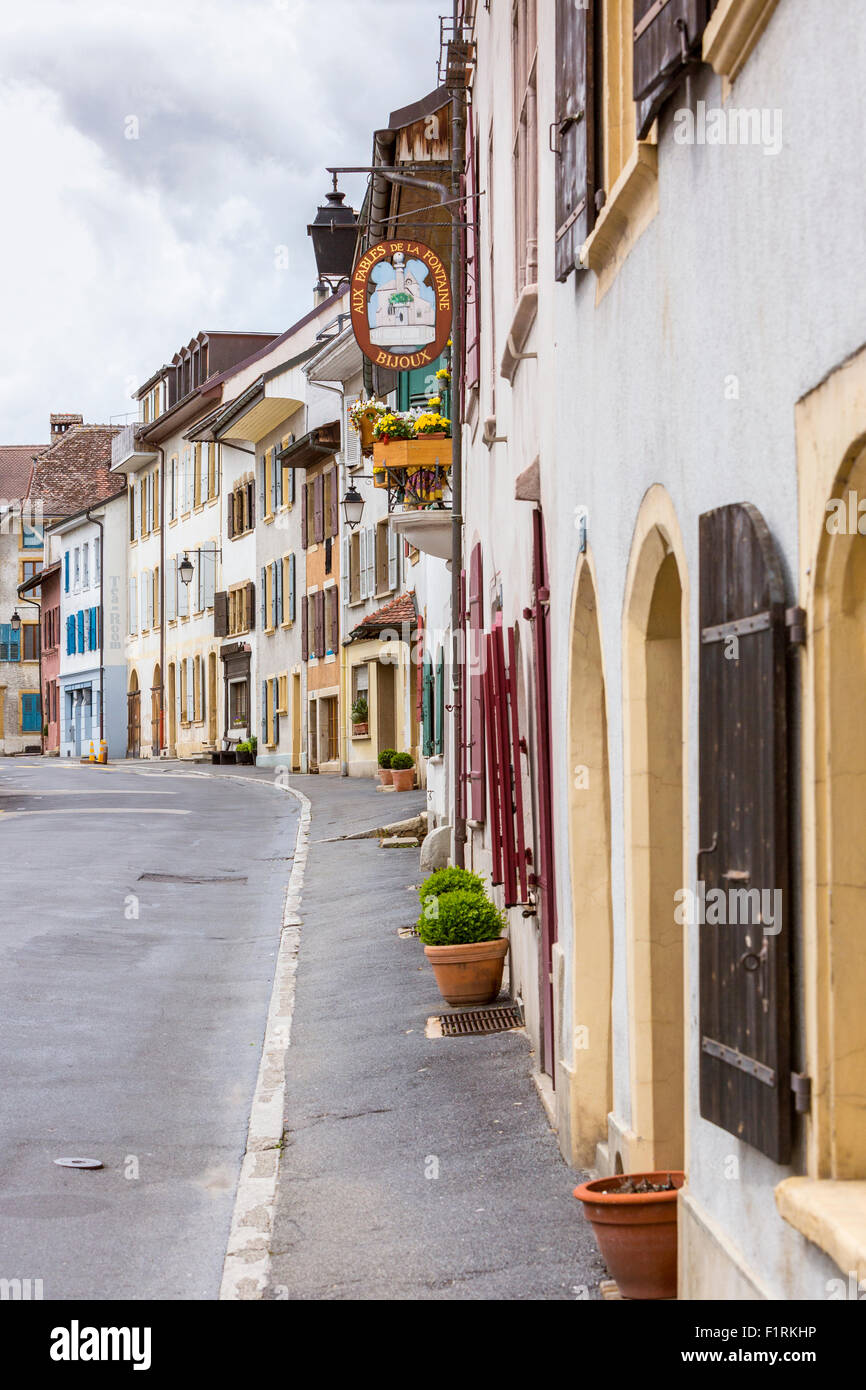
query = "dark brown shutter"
x=304 y=516
x=667 y=43
x=251 y=503
x=334 y=519
x=221 y=614
x=573 y=135
x=744 y=969
x=334 y=601
x=319 y=508
x=305 y=640
x=230 y=514
x=251 y=606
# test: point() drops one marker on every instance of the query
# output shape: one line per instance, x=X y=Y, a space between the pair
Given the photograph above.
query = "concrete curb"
x=246 y=1270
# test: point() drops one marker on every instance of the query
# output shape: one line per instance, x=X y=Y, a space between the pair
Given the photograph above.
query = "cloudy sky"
x=157 y=158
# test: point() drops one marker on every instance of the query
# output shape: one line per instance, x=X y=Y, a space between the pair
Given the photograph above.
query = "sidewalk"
x=373 y=1106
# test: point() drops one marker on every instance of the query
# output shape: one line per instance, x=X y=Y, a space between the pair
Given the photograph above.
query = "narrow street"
x=132 y=1013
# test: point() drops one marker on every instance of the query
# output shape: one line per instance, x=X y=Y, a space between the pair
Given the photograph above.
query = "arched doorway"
x=155 y=708
x=133 y=718
x=839 y=655
x=589 y=1070
x=654 y=679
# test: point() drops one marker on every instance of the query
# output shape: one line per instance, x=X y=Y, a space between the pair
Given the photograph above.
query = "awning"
x=313 y=447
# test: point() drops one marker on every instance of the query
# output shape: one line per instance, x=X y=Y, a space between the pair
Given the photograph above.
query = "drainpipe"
x=98 y=523
x=458 y=119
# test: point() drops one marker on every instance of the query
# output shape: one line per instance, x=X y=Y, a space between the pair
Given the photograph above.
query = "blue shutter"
x=264 y=711
x=292 y=587
x=70 y=635
x=80 y=620
x=66 y=571
x=275 y=594
x=31 y=719
x=274 y=702
x=92 y=633
x=264 y=598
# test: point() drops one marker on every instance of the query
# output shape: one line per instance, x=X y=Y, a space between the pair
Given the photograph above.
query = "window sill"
x=631 y=205
x=521 y=324
x=285 y=626
x=830 y=1214
x=733 y=32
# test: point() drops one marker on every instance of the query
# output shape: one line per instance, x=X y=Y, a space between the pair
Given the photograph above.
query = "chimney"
x=60 y=424
x=321 y=292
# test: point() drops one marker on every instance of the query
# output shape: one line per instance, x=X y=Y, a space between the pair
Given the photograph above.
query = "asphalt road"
x=132 y=1014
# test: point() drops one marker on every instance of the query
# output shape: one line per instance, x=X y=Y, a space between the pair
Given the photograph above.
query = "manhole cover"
x=189 y=878
x=467 y=1022
x=78 y=1162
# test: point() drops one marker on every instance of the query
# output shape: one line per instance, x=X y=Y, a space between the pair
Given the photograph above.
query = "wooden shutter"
x=264 y=708
x=743 y=784
x=292 y=587
x=305 y=646
x=439 y=712
x=251 y=505
x=393 y=559
x=319 y=508
x=667 y=43
x=474 y=666
x=334 y=600
x=320 y=623
x=304 y=492
x=493 y=808
x=230 y=515
x=251 y=606
x=371 y=561
x=263 y=600
x=221 y=614
x=573 y=136
x=335 y=504
x=427 y=709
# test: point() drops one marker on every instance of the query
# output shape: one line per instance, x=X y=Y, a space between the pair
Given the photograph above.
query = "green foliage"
x=254 y=744
x=459 y=919
x=449 y=881
x=359 y=710
x=386 y=755
x=243 y=747
x=401 y=761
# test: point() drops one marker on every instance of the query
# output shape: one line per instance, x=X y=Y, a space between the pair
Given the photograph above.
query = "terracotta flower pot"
x=403 y=778
x=636 y=1232
x=386 y=776
x=359 y=730
x=469 y=974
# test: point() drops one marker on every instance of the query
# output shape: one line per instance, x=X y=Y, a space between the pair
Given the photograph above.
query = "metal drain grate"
x=468 y=1022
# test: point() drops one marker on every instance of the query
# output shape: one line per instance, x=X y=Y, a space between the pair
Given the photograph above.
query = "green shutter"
x=427 y=708
x=439 y=720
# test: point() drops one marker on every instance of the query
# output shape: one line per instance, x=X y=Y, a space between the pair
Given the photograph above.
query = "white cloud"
x=115 y=251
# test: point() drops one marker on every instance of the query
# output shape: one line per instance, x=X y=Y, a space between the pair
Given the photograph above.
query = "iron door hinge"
x=795 y=622
x=801 y=1085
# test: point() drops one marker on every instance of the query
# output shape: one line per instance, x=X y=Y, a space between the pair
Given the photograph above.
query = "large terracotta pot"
x=403 y=778
x=469 y=974
x=636 y=1232
x=386 y=776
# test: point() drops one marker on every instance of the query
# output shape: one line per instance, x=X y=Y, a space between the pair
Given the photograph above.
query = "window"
x=31 y=537
x=133 y=534
x=28 y=568
x=382 y=533
x=283 y=698
x=10 y=644
x=332 y=619
x=97 y=560
x=76 y=569
x=172 y=489
x=241 y=600
x=239 y=704
x=288 y=590
x=524 y=47
x=197 y=493
x=29 y=641
x=156 y=478
x=155 y=600
x=85 y=566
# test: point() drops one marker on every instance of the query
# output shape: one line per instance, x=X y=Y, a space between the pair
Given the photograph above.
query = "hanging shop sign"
x=401 y=304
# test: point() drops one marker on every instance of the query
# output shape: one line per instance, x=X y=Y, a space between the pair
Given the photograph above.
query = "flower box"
x=411 y=455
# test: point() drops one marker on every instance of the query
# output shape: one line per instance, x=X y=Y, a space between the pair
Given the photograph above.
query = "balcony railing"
x=126 y=446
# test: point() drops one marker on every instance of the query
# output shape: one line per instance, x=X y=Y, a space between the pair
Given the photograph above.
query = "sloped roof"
x=16 y=461
x=75 y=472
x=394 y=613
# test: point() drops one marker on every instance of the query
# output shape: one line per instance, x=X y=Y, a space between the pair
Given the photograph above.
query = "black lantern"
x=353 y=507
x=15 y=622
x=185 y=570
x=335 y=234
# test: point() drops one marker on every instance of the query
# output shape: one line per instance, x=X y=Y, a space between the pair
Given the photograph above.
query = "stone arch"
x=655 y=718
x=588 y=1054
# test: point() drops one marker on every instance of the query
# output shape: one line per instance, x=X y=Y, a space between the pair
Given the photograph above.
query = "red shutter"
x=516 y=749
x=500 y=751
x=472 y=262
x=474 y=667
x=305 y=641
x=304 y=516
x=335 y=504
x=493 y=807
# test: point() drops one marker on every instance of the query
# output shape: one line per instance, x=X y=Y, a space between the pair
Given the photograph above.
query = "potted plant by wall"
x=362 y=417
x=360 y=716
x=243 y=752
x=254 y=747
x=403 y=771
x=385 y=757
x=462 y=935
x=634 y=1221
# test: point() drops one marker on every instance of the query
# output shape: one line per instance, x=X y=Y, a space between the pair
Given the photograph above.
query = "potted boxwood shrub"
x=385 y=766
x=448 y=880
x=634 y=1221
x=243 y=752
x=462 y=935
x=360 y=715
x=403 y=771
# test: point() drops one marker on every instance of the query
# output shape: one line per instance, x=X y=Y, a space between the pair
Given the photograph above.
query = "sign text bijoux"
x=401 y=304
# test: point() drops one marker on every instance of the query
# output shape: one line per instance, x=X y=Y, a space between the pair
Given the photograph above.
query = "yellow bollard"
x=92 y=757
x=103 y=751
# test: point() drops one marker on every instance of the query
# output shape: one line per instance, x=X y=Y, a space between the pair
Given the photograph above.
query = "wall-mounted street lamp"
x=186 y=569
x=353 y=507
x=15 y=621
x=335 y=235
